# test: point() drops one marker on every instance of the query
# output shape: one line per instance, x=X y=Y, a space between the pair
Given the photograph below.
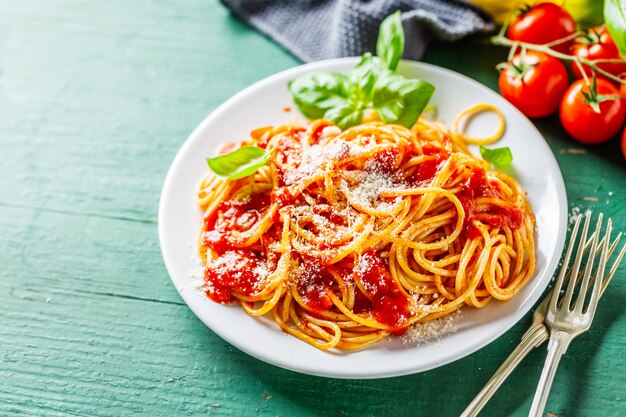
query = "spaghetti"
x=346 y=237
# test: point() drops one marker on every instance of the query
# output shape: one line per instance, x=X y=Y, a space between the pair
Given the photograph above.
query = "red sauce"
x=314 y=282
x=330 y=215
x=362 y=304
x=388 y=304
x=430 y=149
x=385 y=162
x=426 y=171
x=478 y=186
x=283 y=196
x=234 y=270
x=233 y=215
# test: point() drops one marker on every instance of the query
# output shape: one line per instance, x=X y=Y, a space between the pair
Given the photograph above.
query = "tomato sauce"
x=426 y=171
x=478 y=186
x=314 y=282
x=384 y=162
x=234 y=270
x=387 y=303
x=283 y=196
x=233 y=215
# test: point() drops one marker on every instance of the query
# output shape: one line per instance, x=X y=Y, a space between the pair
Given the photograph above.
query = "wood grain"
x=96 y=98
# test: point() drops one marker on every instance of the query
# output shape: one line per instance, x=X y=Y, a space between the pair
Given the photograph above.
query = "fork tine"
x=559 y=281
x=618 y=260
x=567 y=300
x=597 y=286
x=598 y=250
x=586 y=249
x=598 y=276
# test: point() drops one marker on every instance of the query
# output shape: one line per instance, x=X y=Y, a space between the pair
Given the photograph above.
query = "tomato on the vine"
x=578 y=111
x=543 y=23
x=597 y=44
x=534 y=83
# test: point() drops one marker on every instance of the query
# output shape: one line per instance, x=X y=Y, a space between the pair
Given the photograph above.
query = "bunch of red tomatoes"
x=592 y=109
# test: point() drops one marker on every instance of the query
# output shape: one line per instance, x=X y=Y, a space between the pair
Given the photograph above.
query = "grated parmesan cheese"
x=232 y=264
x=367 y=192
x=573 y=216
x=313 y=158
x=316 y=155
x=432 y=331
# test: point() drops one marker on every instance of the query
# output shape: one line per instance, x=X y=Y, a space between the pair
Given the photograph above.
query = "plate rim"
x=455 y=355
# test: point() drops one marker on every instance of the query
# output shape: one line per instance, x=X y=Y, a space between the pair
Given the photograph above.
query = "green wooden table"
x=95 y=99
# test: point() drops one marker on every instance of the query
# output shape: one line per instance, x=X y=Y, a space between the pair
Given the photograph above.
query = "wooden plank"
x=122 y=90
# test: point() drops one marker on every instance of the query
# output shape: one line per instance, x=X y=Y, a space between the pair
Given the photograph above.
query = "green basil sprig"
x=239 y=163
x=318 y=93
x=390 y=44
x=401 y=100
x=343 y=99
x=615 y=19
x=500 y=157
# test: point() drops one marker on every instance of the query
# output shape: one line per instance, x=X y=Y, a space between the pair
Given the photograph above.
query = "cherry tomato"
x=624 y=143
x=545 y=22
x=597 y=44
x=585 y=125
x=534 y=84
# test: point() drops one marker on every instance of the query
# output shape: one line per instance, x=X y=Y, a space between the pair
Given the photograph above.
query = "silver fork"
x=536 y=334
x=565 y=321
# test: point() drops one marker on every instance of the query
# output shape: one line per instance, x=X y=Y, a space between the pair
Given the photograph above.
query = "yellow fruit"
x=585 y=12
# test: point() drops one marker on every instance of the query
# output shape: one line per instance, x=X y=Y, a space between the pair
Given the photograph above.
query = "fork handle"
x=559 y=340
x=534 y=336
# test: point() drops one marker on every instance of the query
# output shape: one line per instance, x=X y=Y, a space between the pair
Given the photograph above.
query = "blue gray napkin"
x=320 y=29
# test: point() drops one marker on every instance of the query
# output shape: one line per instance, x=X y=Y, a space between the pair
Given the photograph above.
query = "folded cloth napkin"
x=320 y=29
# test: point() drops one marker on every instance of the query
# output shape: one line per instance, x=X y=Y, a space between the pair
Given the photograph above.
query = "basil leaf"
x=239 y=163
x=390 y=44
x=500 y=157
x=400 y=100
x=315 y=94
x=615 y=19
x=362 y=79
x=345 y=116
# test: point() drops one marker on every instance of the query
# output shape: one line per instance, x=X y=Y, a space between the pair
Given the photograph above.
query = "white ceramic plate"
x=263 y=104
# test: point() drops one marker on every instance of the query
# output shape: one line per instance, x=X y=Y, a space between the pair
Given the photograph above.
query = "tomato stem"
x=590 y=38
x=593 y=99
x=520 y=69
x=502 y=40
x=563 y=40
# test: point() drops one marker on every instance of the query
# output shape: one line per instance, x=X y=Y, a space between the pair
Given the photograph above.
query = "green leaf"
x=362 y=79
x=239 y=163
x=390 y=44
x=400 y=100
x=315 y=94
x=500 y=157
x=345 y=116
x=615 y=19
